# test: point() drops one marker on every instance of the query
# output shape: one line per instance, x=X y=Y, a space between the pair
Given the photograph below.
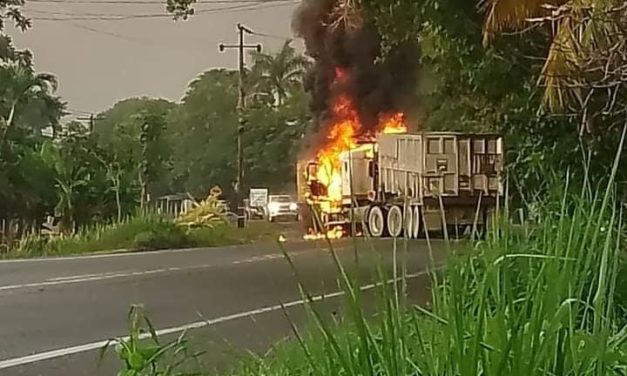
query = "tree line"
x=141 y=148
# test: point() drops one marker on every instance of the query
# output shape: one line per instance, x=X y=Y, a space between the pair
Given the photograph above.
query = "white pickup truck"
x=282 y=207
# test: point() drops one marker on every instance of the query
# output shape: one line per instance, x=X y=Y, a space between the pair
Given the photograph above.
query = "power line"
x=236 y=8
x=133 y=39
x=112 y=16
x=143 y=41
x=271 y=36
x=133 y=2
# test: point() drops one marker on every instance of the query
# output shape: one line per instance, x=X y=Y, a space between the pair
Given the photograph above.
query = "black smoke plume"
x=376 y=86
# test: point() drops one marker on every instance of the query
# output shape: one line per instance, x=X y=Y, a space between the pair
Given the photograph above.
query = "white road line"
x=125 y=253
x=111 y=275
x=77 y=276
x=99 y=277
x=14 y=362
x=111 y=255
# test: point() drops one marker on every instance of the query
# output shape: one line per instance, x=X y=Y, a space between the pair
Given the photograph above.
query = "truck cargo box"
x=424 y=166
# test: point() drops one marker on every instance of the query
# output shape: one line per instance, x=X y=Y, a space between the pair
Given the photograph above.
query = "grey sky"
x=99 y=62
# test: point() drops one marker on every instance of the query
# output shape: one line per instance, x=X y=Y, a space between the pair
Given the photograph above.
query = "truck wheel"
x=417 y=220
x=408 y=221
x=395 y=221
x=376 y=222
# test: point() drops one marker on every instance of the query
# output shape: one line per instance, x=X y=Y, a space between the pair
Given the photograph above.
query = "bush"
x=147 y=231
x=144 y=231
x=621 y=288
x=162 y=237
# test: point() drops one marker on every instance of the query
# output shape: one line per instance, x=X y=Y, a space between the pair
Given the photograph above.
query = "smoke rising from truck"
x=347 y=65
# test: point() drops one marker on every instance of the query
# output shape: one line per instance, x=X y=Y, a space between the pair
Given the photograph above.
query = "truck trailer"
x=406 y=184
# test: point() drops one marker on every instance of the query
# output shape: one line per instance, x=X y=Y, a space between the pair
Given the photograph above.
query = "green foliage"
x=26 y=98
x=25 y=178
x=226 y=234
x=206 y=213
x=140 y=232
x=273 y=135
x=144 y=354
x=163 y=236
x=201 y=132
x=10 y=10
x=120 y=130
x=621 y=288
x=142 y=142
x=278 y=75
x=136 y=232
x=112 y=125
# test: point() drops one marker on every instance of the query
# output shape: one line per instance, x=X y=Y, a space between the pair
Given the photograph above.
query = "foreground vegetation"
x=550 y=299
x=140 y=233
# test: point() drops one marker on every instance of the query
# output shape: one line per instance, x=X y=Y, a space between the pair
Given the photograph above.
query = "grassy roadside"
x=141 y=233
x=541 y=300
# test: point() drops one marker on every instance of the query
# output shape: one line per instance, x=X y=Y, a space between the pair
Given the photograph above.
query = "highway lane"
x=54 y=313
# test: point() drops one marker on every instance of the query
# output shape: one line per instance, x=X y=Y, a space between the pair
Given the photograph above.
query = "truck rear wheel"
x=409 y=222
x=376 y=222
x=395 y=221
x=415 y=213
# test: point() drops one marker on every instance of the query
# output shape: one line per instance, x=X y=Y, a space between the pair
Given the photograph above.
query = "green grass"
x=536 y=300
x=141 y=232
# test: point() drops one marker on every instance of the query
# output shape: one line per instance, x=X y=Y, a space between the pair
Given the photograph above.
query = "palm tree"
x=508 y=14
x=584 y=36
x=275 y=74
x=20 y=85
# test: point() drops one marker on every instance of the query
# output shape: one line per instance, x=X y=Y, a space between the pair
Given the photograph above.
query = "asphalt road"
x=55 y=314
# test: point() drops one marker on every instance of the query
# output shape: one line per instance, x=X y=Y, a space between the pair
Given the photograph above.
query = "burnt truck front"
x=356 y=175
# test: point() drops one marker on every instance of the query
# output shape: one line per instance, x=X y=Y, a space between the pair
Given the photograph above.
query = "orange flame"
x=332 y=234
x=343 y=136
x=392 y=123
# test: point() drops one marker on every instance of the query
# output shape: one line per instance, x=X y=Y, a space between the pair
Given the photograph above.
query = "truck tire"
x=376 y=222
x=416 y=214
x=306 y=219
x=395 y=221
x=408 y=222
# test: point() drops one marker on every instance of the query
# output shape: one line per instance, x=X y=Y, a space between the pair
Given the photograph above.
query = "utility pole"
x=143 y=175
x=241 y=106
x=91 y=119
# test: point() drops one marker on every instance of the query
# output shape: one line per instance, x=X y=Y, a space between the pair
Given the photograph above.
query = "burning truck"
x=396 y=183
x=364 y=169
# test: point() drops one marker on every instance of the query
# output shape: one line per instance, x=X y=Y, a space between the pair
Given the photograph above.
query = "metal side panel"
x=387 y=146
x=441 y=165
x=410 y=152
x=487 y=164
x=427 y=165
x=464 y=164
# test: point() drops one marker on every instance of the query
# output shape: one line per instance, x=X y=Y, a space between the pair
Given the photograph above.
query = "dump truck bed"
x=425 y=166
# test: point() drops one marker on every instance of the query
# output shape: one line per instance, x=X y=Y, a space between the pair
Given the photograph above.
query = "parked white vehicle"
x=282 y=206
